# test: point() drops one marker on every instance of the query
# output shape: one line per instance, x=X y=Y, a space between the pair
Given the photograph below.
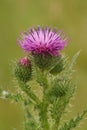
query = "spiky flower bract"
x=43 y=41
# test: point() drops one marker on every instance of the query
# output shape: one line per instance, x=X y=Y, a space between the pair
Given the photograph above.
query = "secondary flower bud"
x=23 y=69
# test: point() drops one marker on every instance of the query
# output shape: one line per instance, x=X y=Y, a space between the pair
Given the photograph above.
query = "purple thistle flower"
x=43 y=41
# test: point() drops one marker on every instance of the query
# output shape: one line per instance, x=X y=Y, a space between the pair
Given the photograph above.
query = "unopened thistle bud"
x=23 y=69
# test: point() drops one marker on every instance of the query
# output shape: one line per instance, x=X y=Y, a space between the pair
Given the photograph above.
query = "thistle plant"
x=44 y=80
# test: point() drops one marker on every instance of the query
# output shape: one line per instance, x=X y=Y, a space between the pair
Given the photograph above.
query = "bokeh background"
x=17 y=16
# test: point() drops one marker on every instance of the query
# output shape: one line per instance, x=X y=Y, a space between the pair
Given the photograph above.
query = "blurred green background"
x=17 y=16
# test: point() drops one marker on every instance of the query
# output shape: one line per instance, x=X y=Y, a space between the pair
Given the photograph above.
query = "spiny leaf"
x=73 y=123
x=8 y=95
x=60 y=104
x=29 y=92
x=59 y=65
x=68 y=73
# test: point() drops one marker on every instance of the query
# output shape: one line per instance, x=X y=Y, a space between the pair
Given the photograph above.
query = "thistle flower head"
x=43 y=41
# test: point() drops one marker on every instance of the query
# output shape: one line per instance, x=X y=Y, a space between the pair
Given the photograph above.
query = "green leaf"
x=29 y=92
x=70 y=68
x=60 y=104
x=30 y=123
x=73 y=123
x=8 y=95
x=59 y=65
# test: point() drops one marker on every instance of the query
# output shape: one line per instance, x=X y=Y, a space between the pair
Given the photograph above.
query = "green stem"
x=29 y=92
x=30 y=123
x=43 y=115
x=43 y=111
x=58 y=109
x=55 y=127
